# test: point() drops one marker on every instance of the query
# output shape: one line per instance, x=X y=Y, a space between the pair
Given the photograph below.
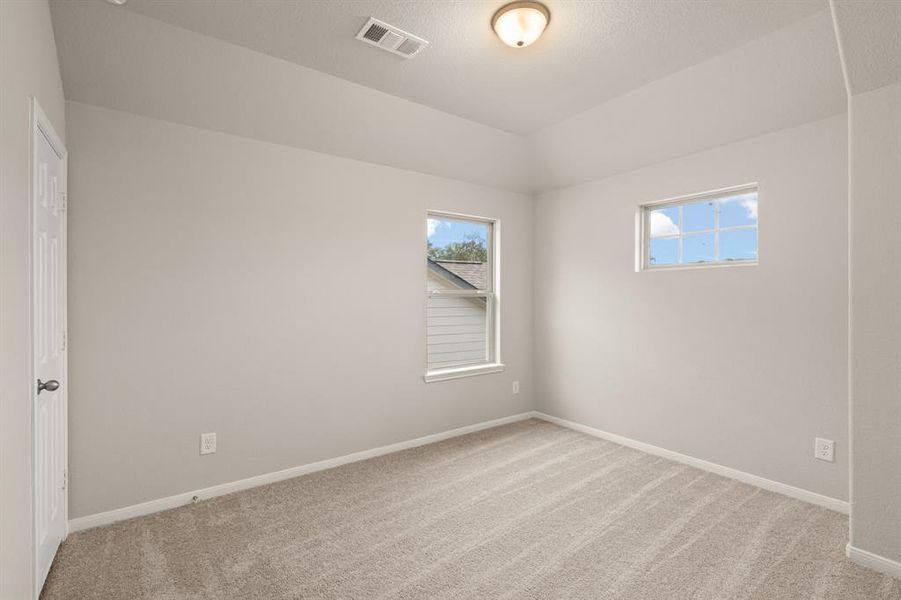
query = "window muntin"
x=708 y=229
x=461 y=294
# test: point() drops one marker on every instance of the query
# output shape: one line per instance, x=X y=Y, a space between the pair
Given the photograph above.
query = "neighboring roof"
x=472 y=273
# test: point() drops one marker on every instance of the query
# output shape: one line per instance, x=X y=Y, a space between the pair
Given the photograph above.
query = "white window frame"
x=492 y=297
x=643 y=230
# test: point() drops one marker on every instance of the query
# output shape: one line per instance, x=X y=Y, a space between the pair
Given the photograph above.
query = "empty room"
x=450 y=299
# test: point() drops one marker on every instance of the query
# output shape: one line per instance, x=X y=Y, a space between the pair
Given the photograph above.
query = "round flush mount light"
x=117 y=2
x=519 y=24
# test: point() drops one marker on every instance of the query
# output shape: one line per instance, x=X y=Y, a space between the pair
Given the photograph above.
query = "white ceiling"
x=592 y=51
x=869 y=32
x=124 y=61
x=785 y=79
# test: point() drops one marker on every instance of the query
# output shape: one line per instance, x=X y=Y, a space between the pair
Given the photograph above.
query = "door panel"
x=49 y=348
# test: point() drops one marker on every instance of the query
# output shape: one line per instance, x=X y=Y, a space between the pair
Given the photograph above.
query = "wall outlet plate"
x=824 y=449
x=207 y=443
x=515 y=387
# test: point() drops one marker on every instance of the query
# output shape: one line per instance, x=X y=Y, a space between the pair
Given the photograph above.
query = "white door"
x=48 y=343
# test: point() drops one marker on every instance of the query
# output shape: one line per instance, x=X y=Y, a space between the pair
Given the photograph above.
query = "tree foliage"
x=472 y=248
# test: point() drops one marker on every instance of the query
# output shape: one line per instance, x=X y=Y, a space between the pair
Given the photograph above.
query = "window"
x=716 y=228
x=461 y=296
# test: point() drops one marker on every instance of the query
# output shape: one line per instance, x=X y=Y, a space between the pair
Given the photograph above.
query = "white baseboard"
x=874 y=561
x=767 y=484
x=153 y=506
x=146 y=508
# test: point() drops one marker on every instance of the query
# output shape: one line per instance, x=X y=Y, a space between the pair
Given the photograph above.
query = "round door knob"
x=50 y=386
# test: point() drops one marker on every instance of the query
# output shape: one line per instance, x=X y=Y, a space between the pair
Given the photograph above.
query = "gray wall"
x=876 y=321
x=28 y=66
x=273 y=295
x=741 y=366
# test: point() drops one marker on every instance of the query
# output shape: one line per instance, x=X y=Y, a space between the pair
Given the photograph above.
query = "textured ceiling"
x=789 y=77
x=124 y=61
x=592 y=51
x=871 y=42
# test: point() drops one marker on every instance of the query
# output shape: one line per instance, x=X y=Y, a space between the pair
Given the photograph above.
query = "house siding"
x=456 y=329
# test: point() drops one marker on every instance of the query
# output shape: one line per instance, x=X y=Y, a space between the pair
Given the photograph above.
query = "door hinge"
x=65 y=340
x=64 y=200
x=65 y=478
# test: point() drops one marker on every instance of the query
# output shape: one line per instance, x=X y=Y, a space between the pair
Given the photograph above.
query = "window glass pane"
x=664 y=221
x=738 y=210
x=457 y=331
x=738 y=244
x=706 y=230
x=698 y=216
x=664 y=251
x=457 y=254
x=697 y=248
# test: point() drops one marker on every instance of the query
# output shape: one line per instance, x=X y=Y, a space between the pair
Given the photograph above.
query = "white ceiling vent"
x=390 y=38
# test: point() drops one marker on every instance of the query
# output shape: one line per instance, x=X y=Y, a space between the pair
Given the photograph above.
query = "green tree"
x=473 y=248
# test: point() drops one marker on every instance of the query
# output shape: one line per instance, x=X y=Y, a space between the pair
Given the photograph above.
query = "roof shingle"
x=474 y=273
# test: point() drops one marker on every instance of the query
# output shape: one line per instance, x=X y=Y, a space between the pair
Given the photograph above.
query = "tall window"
x=461 y=296
x=713 y=228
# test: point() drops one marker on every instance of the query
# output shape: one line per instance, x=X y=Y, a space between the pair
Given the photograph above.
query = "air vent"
x=392 y=39
x=409 y=47
x=375 y=33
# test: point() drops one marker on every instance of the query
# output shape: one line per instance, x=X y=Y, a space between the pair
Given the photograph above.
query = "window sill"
x=692 y=266
x=457 y=373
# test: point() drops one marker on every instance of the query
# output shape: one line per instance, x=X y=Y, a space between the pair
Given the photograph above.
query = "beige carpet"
x=528 y=510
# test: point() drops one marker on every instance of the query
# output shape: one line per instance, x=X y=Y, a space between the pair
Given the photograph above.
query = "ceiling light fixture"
x=519 y=24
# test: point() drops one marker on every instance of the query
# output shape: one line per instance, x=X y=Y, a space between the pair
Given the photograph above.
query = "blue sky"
x=442 y=232
x=692 y=225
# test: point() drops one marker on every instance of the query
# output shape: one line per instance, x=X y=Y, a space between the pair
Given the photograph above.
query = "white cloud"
x=747 y=202
x=661 y=224
x=434 y=224
x=750 y=205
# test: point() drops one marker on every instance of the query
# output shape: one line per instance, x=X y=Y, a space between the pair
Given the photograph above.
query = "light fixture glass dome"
x=519 y=24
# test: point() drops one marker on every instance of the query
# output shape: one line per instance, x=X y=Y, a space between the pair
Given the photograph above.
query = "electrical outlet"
x=515 y=387
x=824 y=450
x=207 y=443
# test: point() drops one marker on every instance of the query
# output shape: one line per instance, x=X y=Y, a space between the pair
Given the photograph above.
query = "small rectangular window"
x=461 y=296
x=714 y=228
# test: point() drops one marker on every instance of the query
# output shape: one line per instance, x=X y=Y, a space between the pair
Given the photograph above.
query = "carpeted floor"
x=528 y=510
